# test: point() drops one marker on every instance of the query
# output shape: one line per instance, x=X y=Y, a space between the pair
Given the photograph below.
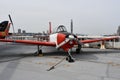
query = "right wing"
x=29 y=42
x=97 y=40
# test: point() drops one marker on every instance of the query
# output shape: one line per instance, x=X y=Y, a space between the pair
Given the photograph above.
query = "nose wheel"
x=69 y=58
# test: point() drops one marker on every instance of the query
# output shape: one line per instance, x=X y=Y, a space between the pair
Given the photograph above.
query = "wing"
x=97 y=40
x=29 y=42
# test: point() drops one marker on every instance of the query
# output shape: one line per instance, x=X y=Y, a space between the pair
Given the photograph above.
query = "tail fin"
x=4 y=29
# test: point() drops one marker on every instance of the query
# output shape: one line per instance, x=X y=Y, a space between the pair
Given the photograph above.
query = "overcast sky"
x=94 y=17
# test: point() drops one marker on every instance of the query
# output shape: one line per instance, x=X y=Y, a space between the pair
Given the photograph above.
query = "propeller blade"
x=71 y=26
x=79 y=46
x=11 y=23
x=62 y=43
x=10 y=19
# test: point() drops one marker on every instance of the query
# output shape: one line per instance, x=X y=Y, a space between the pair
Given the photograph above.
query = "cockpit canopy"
x=61 y=28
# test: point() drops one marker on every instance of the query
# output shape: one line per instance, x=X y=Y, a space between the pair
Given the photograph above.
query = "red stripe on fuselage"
x=60 y=38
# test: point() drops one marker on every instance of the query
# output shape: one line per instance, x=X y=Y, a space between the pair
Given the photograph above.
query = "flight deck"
x=18 y=62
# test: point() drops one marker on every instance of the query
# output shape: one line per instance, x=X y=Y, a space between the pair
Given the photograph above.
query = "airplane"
x=61 y=39
x=4 y=29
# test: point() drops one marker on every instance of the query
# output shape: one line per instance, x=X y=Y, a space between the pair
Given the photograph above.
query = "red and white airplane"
x=61 y=39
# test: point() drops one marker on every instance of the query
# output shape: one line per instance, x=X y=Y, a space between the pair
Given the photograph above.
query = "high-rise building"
x=19 y=31
x=23 y=31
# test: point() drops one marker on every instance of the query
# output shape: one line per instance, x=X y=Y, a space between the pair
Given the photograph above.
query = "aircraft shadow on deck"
x=86 y=55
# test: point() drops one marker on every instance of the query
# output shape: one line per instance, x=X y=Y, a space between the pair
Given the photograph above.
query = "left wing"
x=29 y=42
x=97 y=40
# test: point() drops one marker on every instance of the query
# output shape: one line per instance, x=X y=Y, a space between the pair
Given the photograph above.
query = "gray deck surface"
x=17 y=62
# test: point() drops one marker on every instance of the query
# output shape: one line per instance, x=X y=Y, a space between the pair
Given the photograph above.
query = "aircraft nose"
x=71 y=37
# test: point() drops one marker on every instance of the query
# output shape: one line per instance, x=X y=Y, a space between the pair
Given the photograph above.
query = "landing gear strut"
x=39 y=51
x=69 y=58
x=79 y=48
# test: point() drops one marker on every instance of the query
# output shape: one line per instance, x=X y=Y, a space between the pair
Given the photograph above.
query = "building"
x=19 y=31
x=24 y=32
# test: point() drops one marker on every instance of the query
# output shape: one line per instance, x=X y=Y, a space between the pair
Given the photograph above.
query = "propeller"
x=11 y=23
x=79 y=44
x=62 y=43
x=71 y=26
x=67 y=39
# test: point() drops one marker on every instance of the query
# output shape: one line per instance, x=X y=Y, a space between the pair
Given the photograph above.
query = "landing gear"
x=78 y=51
x=69 y=58
x=79 y=48
x=39 y=51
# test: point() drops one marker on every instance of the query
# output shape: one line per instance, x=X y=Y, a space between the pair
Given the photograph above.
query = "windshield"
x=61 y=28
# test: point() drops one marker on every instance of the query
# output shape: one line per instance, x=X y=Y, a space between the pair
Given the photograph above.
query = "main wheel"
x=77 y=51
x=40 y=51
x=69 y=59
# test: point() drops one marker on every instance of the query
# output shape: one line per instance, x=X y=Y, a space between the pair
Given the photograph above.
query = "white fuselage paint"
x=53 y=38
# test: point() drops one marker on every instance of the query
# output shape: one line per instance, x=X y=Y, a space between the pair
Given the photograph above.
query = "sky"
x=91 y=17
